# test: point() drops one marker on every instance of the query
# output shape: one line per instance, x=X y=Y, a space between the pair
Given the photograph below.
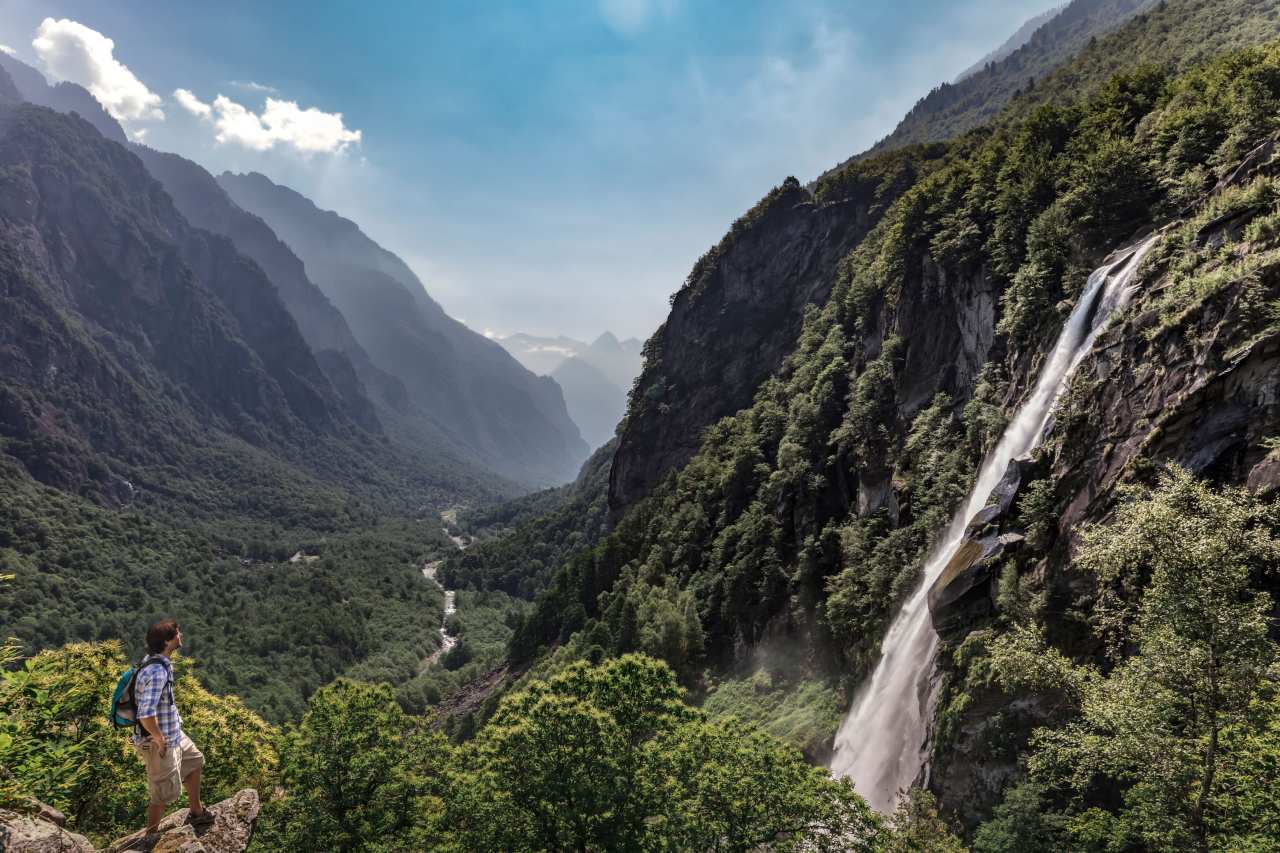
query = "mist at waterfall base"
x=881 y=744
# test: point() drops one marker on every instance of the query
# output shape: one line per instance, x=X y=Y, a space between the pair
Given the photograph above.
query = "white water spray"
x=881 y=744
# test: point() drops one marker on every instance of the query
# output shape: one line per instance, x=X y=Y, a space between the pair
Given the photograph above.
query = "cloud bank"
x=71 y=51
x=189 y=102
x=310 y=131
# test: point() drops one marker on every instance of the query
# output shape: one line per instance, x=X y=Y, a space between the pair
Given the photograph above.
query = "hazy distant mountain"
x=514 y=422
x=541 y=355
x=596 y=403
x=142 y=357
x=595 y=377
x=206 y=205
x=1015 y=41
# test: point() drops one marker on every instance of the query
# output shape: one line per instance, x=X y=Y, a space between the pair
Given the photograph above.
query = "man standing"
x=172 y=760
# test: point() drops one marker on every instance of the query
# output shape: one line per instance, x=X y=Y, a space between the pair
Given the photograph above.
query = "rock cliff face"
x=1201 y=391
x=469 y=387
x=731 y=326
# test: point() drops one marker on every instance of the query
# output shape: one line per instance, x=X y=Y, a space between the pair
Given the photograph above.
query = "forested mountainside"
x=169 y=441
x=721 y=578
x=466 y=385
x=953 y=108
x=762 y=544
x=1015 y=41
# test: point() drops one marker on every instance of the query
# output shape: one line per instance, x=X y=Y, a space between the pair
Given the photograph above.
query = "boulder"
x=20 y=833
x=230 y=831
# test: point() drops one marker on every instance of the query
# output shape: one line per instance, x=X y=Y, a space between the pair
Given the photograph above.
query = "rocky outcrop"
x=731 y=326
x=39 y=831
x=965 y=591
x=42 y=831
x=230 y=831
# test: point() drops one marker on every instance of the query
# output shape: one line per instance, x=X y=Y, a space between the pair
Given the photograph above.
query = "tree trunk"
x=1210 y=761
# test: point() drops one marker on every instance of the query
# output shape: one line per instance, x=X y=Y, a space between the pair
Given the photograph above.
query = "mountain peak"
x=606 y=341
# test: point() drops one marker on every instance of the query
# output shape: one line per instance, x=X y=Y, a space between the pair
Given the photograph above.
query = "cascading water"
x=880 y=745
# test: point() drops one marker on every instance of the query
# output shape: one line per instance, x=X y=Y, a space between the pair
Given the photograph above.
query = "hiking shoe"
x=205 y=818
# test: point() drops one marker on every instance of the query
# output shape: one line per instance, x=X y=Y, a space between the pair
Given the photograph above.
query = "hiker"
x=171 y=759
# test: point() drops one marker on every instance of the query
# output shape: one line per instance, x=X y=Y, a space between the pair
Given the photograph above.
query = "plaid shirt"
x=154 y=701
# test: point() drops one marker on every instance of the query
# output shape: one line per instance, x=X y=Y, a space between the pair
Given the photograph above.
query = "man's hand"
x=152 y=727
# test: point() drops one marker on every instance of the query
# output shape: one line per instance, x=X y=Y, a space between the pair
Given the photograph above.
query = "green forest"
x=670 y=675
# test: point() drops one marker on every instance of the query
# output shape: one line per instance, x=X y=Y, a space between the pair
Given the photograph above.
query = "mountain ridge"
x=473 y=390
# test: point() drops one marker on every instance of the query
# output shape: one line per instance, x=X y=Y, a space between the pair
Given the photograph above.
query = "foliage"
x=804 y=712
x=57 y=745
x=524 y=541
x=917 y=828
x=265 y=628
x=358 y=775
x=1192 y=560
x=611 y=758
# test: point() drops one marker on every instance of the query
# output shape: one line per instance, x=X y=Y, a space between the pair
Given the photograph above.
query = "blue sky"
x=546 y=167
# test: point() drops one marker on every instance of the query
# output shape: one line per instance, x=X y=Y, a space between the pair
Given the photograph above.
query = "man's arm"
x=148 y=689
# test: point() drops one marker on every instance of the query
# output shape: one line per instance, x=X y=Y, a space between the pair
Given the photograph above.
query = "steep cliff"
x=737 y=316
x=468 y=386
x=767 y=525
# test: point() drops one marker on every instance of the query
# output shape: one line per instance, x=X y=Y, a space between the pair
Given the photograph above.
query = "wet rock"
x=963 y=592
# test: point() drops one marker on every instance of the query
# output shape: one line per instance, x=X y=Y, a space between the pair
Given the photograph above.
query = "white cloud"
x=254 y=87
x=138 y=135
x=309 y=130
x=4 y=48
x=632 y=17
x=189 y=102
x=72 y=51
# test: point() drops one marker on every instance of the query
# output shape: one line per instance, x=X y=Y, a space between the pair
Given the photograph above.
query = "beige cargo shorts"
x=166 y=769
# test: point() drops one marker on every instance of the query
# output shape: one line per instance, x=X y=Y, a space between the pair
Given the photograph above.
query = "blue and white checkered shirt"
x=153 y=700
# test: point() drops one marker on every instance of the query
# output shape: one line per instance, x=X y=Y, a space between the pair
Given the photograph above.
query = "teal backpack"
x=124 y=708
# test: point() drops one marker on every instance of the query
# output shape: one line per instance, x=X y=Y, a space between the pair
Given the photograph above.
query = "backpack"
x=124 y=708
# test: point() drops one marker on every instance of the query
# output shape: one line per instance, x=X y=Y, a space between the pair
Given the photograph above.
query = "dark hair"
x=159 y=635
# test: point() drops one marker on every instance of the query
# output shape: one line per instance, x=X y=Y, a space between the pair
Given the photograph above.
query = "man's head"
x=164 y=637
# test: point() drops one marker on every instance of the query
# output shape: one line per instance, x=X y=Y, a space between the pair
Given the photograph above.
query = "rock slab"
x=230 y=832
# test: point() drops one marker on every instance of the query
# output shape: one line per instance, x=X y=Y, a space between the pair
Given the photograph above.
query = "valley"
x=941 y=512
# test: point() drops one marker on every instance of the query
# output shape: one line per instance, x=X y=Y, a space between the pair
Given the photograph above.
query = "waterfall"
x=881 y=744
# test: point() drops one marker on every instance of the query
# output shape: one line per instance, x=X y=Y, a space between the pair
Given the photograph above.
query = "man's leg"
x=155 y=811
x=192 y=784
